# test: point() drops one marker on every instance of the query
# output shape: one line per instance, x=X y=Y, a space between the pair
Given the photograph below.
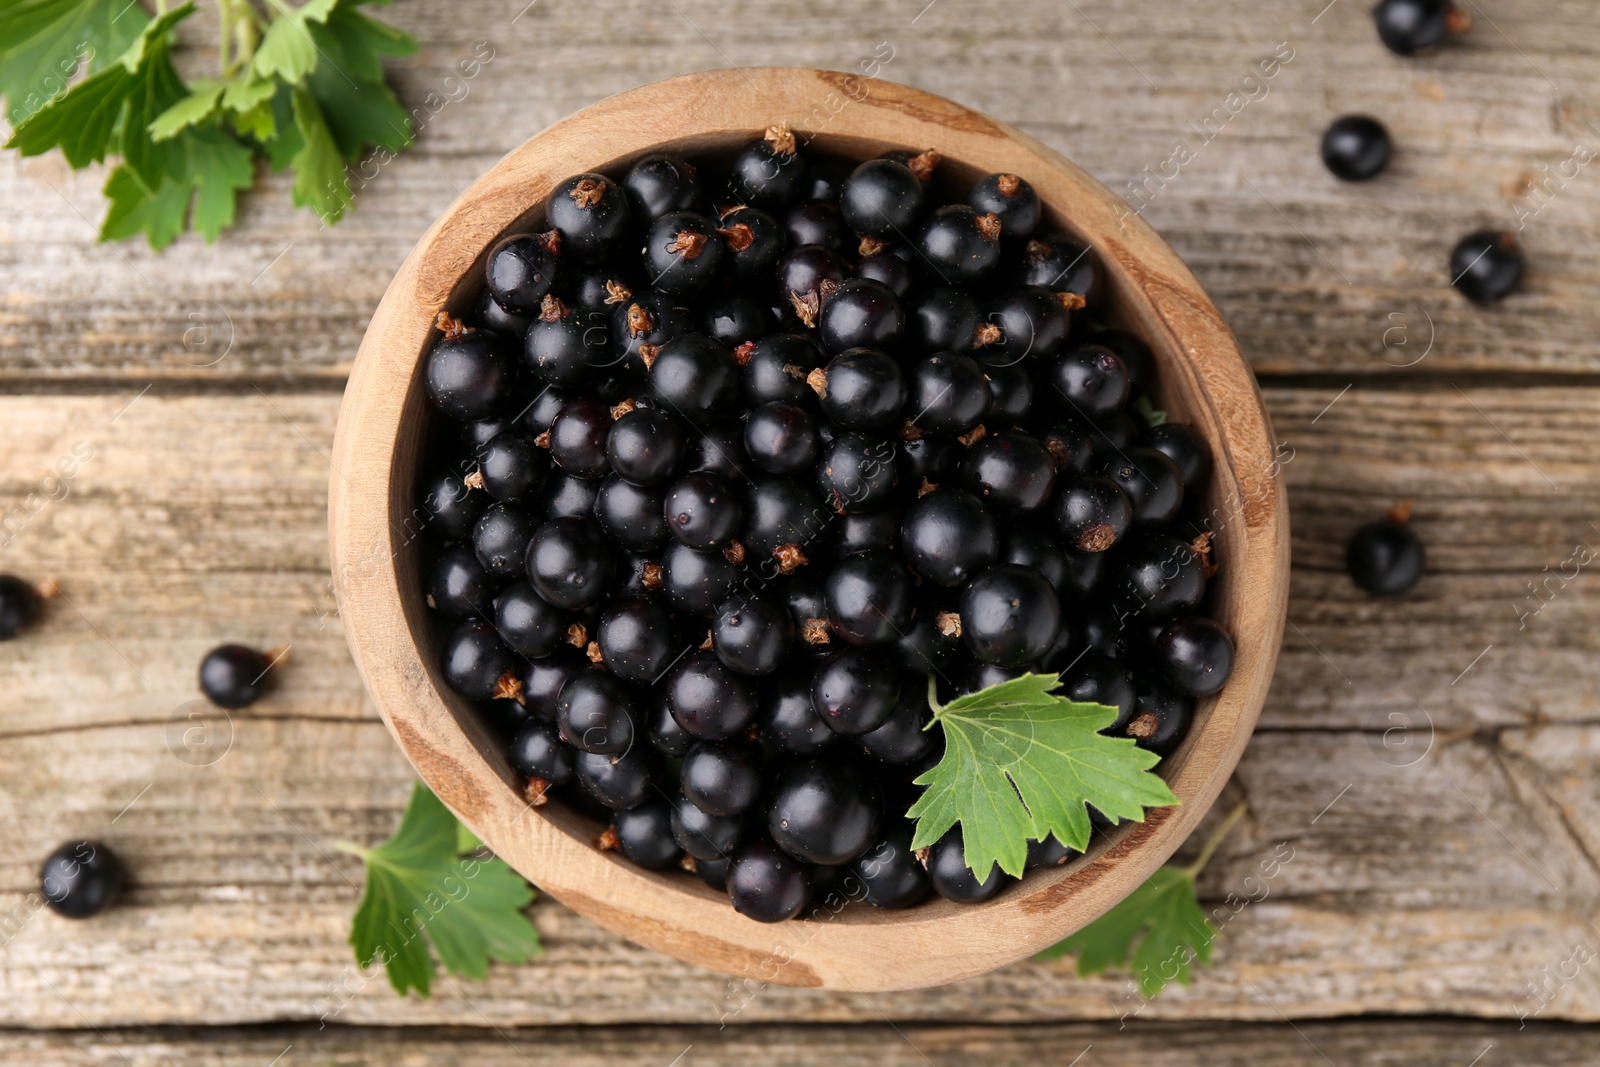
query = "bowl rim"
x=373 y=530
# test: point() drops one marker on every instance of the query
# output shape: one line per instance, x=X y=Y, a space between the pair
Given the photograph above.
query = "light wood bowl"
x=1203 y=380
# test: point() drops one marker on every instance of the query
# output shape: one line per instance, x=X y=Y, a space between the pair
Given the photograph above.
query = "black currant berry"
x=513 y=466
x=643 y=322
x=1407 y=27
x=658 y=184
x=776 y=370
x=860 y=314
x=666 y=735
x=960 y=244
x=767 y=884
x=720 y=451
x=823 y=812
x=769 y=173
x=949 y=394
x=598 y=712
x=1161 y=716
x=1092 y=382
x=1010 y=199
x=1025 y=323
x=566 y=346
x=862 y=389
x=591 y=211
x=1061 y=265
x=1092 y=513
x=1009 y=471
x=804 y=274
x=754 y=241
x=1009 y=615
x=645 y=446
x=538 y=752
x=949 y=536
x=566 y=496
x=855 y=691
x=1195 y=655
x=19 y=606
x=471 y=376
x=735 y=320
x=458 y=587
x=80 y=879
x=952 y=879
x=232 y=676
x=816 y=222
x=527 y=622
x=477 y=664
x=702 y=511
x=1486 y=266
x=452 y=507
x=1356 y=148
x=578 y=437
x=926 y=648
x=703 y=835
x=722 y=777
x=890 y=874
x=1136 y=356
x=682 y=251
x=857 y=473
x=1098 y=679
x=618 y=782
x=889 y=270
x=1153 y=485
x=901 y=739
x=544 y=678
x=1049 y=853
x=644 y=836
x=1179 y=443
x=751 y=635
x=501 y=539
x=697 y=581
x=695 y=377
x=870 y=598
x=1158 y=577
x=638 y=640
x=1385 y=558
x=520 y=271
x=865 y=531
x=630 y=514
x=571 y=562
x=487 y=314
x=944 y=320
x=789 y=718
x=881 y=199
x=781 y=438
x=708 y=699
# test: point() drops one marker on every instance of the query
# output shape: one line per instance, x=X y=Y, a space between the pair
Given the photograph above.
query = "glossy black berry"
x=803 y=274
x=476 y=663
x=578 y=437
x=1195 y=655
x=1179 y=443
x=776 y=370
x=1097 y=679
x=527 y=622
x=80 y=879
x=823 y=812
x=1161 y=715
x=866 y=531
x=789 y=718
x=753 y=241
x=1009 y=198
x=1385 y=558
x=722 y=777
x=645 y=446
x=666 y=735
x=862 y=389
x=708 y=699
x=697 y=581
x=1049 y=853
x=538 y=752
x=233 y=676
x=471 y=376
x=452 y=508
x=598 y=712
x=860 y=314
x=817 y=222
x=826 y=175
x=952 y=879
x=570 y=562
x=960 y=245
x=1407 y=27
x=644 y=322
x=944 y=320
x=703 y=835
x=1153 y=485
x=752 y=634
x=720 y=451
x=521 y=270
x=767 y=884
x=882 y=198
x=1009 y=472
x=618 y=781
x=644 y=835
x=567 y=496
x=458 y=587
x=870 y=598
x=769 y=173
x=949 y=394
x=487 y=314
x=1091 y=513
x=857 y=473
x=855 y=690
x=567 y=346
x=696 y=378
x=901 y=739
x=1090 y=382
x=1486 y=266
x=541 y=412
x=638 y=639
x=889 y=873
x=682 y=251
x=1157 y=577
x=702 y=511
x=1356 y=148
x=734 y=320
x=890 y=271
x=513 y=466
x=630 y=514
x=1062 y=265
x=1028 y=322
x=1009 y=615
x=930 y=459
x=501 y=539
x=19 y=606
x=544 y=678
x=949 y=536
x=591 y=211
x=659 y=184
x=926 y=648
x=781 y=438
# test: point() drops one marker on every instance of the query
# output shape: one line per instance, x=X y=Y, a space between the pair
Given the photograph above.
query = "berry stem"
x=1213 y=842
x=350 y=848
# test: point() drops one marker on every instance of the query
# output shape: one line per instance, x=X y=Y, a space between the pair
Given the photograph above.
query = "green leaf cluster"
x=1021 y=763
x=1158 y=930
x=424 y=885
x=299 y=87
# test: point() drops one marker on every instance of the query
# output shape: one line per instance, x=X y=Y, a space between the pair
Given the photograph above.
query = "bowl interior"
x=1202 y=380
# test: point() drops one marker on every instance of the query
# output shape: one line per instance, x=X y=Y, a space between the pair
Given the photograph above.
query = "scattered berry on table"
x=1356 y=148
x=1487 y=265
x=1407 y=27
x=20 y=603
x=80 y=879
x=233 y=676
x=1386 y=558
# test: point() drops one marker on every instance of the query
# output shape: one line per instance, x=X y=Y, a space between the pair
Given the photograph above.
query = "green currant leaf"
x=134 y=209
x=1021 y=763
x=287 y=50
x=420 y=889
x=199 y=105
x=1165 y=919
x=219 y=167
x=44 y=43
x=362 y=42
x=209 y=167
x=1152 y=415
x=319 y=176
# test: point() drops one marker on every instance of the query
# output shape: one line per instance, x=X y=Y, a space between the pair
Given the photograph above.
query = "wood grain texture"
x=1374 y=1043
x=376 y=561
x=1306 y=270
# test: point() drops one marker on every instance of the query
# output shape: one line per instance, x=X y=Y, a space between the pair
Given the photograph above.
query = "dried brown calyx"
x=806 y=306
x=733 y=552
x=1097 y=538
x=923 y=162
x=707 y=645
x=622 y=407
x=988 y=334
x=922 y=855
x=534 y=792
x=973 y=436
x=870 y=246
x=1400 y=513
x=543 y=440
x=451 y=326
x=1059 y=452
x=781 y=138
x=550 y=241
x=818 y=380
x=1008 y=184
x=826 y=288
x=578 y=635
x=741 y=352
x=949 y=623
x=815 y=632
x=1457 y=20
x=989 y=227
x=592 y=650
x=608 y=841
x=640 y=320
x=508 y=687
x=1071 y=301
x=648 y=353
x=650 y=575
x=910 y=431
x=688 y=244
x=687 y=863
x=473 y=480
x=737 y=237
x=49 y=589
x=790 y=558
x=926 y=487
x=617 y=293
x=1143 y=725
x=588 y=192
x=551 y=309
x=1035 y=251
x=1201 y=547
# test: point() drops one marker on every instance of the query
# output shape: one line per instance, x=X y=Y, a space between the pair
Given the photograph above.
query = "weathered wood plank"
x=1365 y=1042
x=1307 y=270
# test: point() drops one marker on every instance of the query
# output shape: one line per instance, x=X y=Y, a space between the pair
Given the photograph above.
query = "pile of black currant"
x=734 y=458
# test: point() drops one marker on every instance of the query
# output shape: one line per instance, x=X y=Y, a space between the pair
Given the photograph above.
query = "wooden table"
x=1430 y=761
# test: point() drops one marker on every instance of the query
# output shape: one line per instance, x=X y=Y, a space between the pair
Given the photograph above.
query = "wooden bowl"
x=1203 y=380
